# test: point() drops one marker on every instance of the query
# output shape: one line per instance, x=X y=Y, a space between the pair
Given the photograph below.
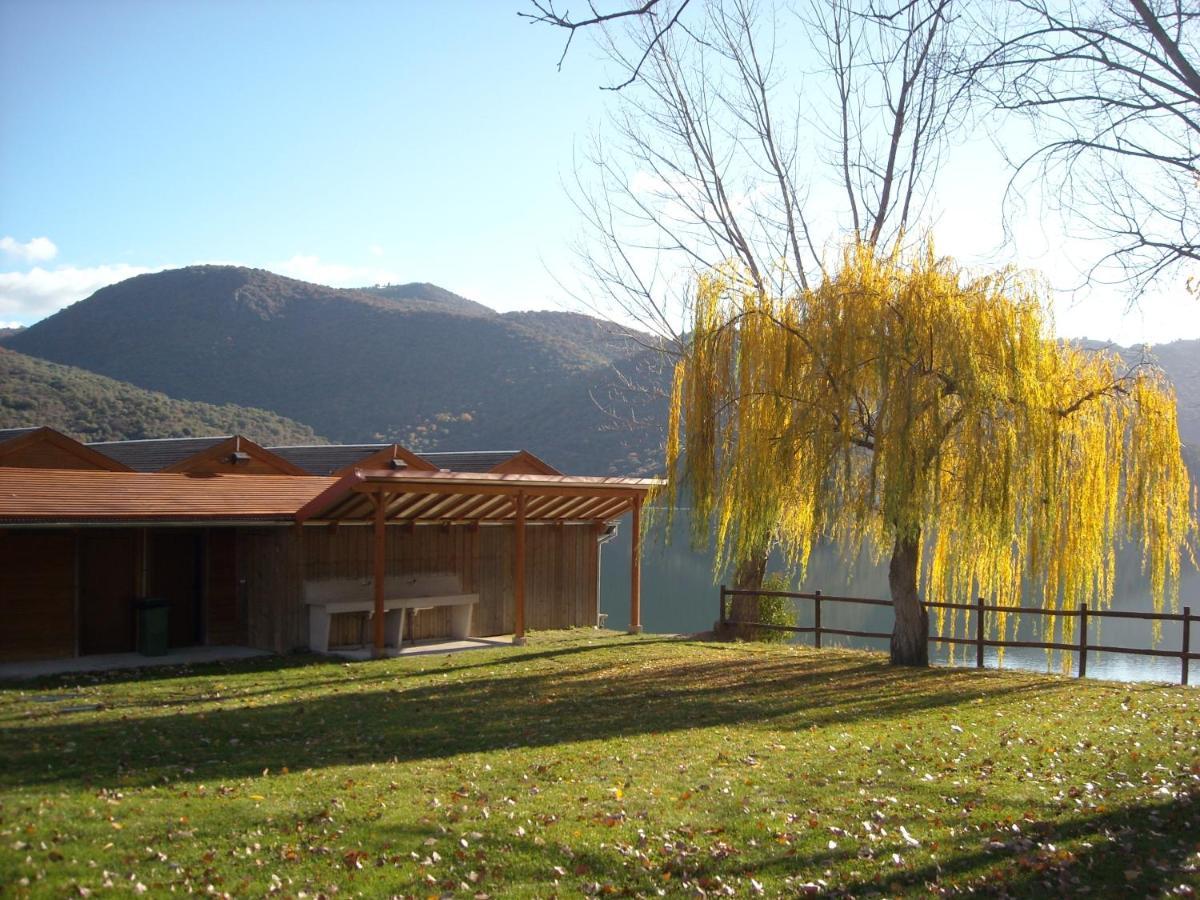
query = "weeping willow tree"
x=914 y=409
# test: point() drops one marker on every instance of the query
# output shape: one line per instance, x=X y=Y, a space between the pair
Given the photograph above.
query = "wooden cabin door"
x=176 y=575
x=108 y=576
x=225 y=621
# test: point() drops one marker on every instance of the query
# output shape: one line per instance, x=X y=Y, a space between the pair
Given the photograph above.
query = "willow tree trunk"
x=910 y=635
x=748 y=576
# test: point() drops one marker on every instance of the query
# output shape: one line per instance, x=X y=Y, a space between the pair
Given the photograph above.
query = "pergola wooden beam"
x=409 y=504
x=608 y=510
x=457 y=508
x=549 y=507
x=519 y=572
x=635 y=573
x=570 y=507
x=548 y=490
x=380 y=565
x=439 y=509
x=394 y=498
x=483 y=507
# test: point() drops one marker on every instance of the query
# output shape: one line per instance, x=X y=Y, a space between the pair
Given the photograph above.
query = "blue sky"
x=355 y=141
x=346 y=143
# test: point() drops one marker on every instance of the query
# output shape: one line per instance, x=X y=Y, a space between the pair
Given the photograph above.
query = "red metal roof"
x=81 y=496
x=77 y=496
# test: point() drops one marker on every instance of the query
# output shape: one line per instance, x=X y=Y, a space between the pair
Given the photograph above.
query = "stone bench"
x=404 y=595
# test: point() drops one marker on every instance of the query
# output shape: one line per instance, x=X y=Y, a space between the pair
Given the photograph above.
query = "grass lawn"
x=587 y=763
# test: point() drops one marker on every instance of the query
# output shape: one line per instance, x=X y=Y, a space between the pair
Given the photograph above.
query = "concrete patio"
x=184 y=656
x=187 y=656
x=429 y=647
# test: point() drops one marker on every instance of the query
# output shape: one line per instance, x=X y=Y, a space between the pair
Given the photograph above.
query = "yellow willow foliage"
x=909 y=399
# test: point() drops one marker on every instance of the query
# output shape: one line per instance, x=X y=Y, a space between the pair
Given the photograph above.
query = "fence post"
x=979 y=632
x=817 y=619
x=1185 y=644
x=1083 y=640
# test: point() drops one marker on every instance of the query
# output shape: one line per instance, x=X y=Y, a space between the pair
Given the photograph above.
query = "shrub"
x=775 y=610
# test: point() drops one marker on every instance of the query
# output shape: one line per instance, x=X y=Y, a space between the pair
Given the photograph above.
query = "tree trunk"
x=748 y=576
x=910 y=635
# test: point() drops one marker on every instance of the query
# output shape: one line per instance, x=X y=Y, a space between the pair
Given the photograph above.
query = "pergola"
x=412 y=497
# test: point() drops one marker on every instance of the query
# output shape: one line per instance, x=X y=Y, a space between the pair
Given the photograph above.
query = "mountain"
x=426 y=298
x=90 y=407
x=412 y=363
x=627 y=400
x=1180 y=360
x=9 y=332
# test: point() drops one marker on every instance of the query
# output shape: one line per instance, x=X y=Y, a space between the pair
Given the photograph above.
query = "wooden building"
x=230 y=542
x=231 y=455
x=45 y=448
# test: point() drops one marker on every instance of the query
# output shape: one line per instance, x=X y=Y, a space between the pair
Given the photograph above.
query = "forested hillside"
x=91 y=407
x=411 y=363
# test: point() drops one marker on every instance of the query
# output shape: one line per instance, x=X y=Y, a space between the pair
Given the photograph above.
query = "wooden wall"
x=226 y=617
x=253 y=580
x=270 y=581
x=45 y=455
x=37 y=594
x=109 y=568
x=66 y=591
x=560 y=581
x=561 y=574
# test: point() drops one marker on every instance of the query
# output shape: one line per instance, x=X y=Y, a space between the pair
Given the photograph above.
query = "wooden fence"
x=979 y=641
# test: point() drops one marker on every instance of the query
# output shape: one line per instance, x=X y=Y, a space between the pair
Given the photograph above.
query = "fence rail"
x=979 y=641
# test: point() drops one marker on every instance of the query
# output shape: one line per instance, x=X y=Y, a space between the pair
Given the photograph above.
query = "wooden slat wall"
x=37 y=594
x=349 y=629
x=260 y=602
x=225 y=625
x=270 y=564
x=561 y=573
x=109 y=571
x=45 y=455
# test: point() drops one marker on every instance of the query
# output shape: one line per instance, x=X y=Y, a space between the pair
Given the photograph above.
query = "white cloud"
x=375 y=250
x=26 y=297
x=314 y=269
x=40 y=249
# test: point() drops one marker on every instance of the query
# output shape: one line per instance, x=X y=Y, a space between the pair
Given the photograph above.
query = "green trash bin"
x=153 y=618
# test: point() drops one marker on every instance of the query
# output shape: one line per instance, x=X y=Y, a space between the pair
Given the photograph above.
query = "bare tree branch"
x=1113 y=91
x=545 y=14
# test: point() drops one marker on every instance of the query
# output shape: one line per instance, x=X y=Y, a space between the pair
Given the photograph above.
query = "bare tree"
x=763 y=139
x=1113 y=91
x=760 y=142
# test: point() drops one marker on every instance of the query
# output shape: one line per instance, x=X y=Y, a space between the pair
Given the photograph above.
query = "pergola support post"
x=519 y=573
x=380 y=574
x=635 y=571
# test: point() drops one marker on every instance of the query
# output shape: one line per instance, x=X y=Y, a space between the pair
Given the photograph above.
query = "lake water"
x=679 y=596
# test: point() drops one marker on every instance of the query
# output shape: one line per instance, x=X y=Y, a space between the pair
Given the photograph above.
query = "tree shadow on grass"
x=1137 y=850
x=397 y=714
x=340 y=672
x=275 y=663
x=1140 y=850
